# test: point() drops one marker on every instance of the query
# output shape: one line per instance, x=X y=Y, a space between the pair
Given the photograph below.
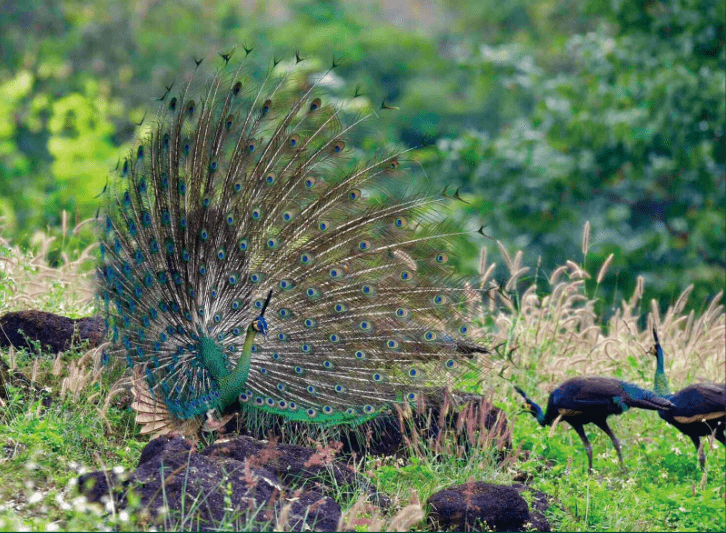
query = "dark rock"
x=54 y=333
x=540 y=503
x=163 y=445
x=96 y=487
x=207 y=489
x=479 y=506
x=298 y=465
x=31 y=391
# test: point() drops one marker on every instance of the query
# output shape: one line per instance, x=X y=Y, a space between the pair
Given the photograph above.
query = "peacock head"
x=259 y=324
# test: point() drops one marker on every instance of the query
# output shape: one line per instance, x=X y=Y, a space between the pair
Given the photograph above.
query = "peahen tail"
x=246 y=256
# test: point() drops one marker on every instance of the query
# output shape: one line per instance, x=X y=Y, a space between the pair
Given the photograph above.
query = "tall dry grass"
x=555 y=331
x=27 y=281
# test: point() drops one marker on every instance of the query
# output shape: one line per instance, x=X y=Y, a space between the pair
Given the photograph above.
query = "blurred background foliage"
x=545 y=113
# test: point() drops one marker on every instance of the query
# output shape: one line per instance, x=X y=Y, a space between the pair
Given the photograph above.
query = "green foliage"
x=628 y=135
x=81 y=147
x=547 y=113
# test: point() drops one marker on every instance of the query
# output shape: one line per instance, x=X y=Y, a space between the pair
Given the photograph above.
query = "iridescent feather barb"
x=245 y=191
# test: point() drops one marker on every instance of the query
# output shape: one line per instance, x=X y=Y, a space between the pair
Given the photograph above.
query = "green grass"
x=45 y=449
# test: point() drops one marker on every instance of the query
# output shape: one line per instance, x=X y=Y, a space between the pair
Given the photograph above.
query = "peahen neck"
x=536 y=412
x=661 y=381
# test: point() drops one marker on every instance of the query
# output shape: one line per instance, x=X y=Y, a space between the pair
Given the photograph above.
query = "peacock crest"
x=249 y=255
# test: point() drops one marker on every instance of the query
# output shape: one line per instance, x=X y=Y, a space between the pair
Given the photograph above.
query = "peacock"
x=252 y=262
x=585 y=400
x=699 y=409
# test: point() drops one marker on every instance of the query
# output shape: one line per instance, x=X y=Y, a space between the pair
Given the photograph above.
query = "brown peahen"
x=699 y=409
x=591 y=400
x=251 y=261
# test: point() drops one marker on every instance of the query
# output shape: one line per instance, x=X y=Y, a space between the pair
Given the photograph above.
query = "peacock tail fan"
x=244 y=191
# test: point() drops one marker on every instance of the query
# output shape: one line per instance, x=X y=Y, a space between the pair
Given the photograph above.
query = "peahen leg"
x=588 y=447
x=720 y=432
x=604 y=426
x=699 y=450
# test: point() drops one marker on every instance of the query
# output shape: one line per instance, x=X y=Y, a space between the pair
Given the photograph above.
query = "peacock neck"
x=661 y=381
x=233 y=385
x=213 y=358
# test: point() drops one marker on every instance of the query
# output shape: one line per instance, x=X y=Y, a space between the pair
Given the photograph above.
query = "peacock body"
x=591 y=400
x=246 y=257
x=699 y=409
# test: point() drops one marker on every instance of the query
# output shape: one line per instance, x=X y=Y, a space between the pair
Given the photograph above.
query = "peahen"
x=251 y=261
x=699 y=409
x=585 y=400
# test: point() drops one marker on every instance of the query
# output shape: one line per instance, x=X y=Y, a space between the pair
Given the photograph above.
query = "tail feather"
x=153 y=416
x=249 y=188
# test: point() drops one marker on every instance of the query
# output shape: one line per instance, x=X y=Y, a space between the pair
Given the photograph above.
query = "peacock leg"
x=588 y=447
x=603 y=424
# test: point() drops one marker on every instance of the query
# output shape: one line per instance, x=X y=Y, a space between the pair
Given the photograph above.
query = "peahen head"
x=534 y=409
x=660 y=380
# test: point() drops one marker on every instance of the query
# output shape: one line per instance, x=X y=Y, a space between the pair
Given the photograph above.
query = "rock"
x=55 y=333
x=241 y=478
x=30 y=391
x=298 y=465
x=479 y=506
x=96 y=487
x=540 y=503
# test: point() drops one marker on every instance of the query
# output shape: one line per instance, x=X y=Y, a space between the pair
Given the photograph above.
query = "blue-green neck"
x=661 y=381
x=213 y=358
x=231 y=384
x=534 y=409
x=538 y=414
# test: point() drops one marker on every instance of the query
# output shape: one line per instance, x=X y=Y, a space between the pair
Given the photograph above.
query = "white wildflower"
x=62 y=503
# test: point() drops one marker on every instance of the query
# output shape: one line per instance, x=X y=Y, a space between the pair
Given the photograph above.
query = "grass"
x=547 y=328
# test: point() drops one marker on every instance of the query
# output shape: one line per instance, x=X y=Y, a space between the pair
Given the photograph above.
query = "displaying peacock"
x=699 y=409
x=591 y=400
x=249 y=256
